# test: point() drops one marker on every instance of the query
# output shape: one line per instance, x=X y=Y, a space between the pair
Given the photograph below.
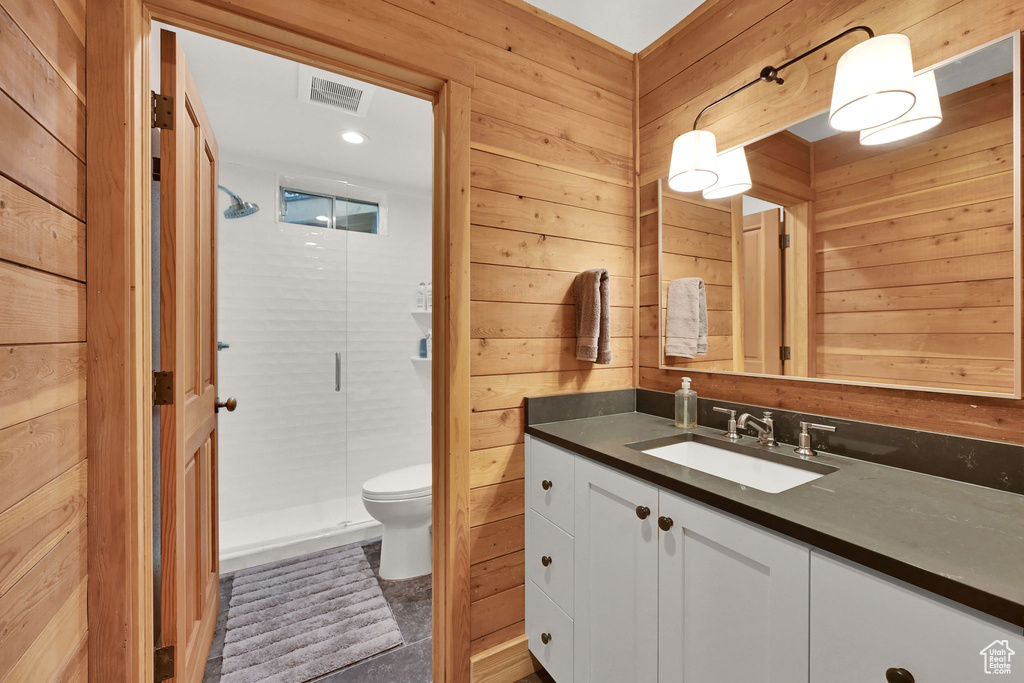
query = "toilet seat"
x=403 y=484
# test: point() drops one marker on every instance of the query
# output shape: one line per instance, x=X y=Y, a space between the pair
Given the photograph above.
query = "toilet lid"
x=408 y=482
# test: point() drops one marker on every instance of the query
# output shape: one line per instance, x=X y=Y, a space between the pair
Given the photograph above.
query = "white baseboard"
x=243 y=557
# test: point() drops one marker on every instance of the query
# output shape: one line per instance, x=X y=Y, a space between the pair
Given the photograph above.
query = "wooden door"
x=733 y=602
x=762 y=291
x=188 y=427
x=615 y=626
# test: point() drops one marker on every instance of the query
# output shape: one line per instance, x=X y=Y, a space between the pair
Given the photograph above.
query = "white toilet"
x=400 y=501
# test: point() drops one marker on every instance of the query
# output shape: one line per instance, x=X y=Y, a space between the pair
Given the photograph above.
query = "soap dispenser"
x=686 y=406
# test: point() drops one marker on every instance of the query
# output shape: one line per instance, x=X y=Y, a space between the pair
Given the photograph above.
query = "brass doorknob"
x=230 y=404
x=665 y=523
x=643 y=512
x=545 y=638
x=546 y=484
x=546 y=560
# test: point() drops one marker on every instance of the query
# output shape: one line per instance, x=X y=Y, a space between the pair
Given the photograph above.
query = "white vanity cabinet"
x=713 y=598
x=864 y=625
x=732 y=599
x=630 y=582
x=616 y=605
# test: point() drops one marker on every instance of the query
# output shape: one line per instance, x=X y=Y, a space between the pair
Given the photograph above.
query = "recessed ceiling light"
x=322 y=219
x=354 y=136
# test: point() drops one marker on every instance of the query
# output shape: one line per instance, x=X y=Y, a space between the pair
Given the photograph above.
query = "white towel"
x=686 y=324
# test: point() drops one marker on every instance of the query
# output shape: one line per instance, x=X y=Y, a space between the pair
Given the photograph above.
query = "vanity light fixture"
x=874 y=85
x=926 y=113
x=733 y=175
x=693 y=161
x=354 y=137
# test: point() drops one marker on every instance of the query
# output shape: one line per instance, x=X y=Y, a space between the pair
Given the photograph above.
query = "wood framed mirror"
x=895 y=265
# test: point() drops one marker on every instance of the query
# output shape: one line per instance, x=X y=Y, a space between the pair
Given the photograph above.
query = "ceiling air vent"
x=326 y=89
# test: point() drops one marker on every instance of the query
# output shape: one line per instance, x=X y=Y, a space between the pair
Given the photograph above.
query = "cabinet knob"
x=898 y=676
x=665 y=523
x=545 y=638
x=643 y=512
x=546 y=560
x=546 y=484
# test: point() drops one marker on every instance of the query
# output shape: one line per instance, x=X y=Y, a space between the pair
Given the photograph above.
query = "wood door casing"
x=188 y=449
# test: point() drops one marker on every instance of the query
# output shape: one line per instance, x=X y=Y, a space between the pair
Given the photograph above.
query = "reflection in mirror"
x=893 y=263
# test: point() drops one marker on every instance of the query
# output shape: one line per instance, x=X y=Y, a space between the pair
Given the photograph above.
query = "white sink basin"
x=759 y=473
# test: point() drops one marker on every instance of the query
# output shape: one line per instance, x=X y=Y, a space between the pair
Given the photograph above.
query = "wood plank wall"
x=43 y=466
x=724 y=44
x=552 y=194
x=918 y=237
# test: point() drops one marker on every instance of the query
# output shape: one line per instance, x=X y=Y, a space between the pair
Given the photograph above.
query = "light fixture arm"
x=770 y=74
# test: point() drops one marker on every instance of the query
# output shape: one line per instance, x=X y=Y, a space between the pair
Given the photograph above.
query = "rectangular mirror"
x=894 y=264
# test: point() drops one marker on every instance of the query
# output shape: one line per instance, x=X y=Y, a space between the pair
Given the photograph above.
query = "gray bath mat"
x=294 y=620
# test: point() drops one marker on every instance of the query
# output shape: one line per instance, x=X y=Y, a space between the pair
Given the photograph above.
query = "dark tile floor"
x=410 y=602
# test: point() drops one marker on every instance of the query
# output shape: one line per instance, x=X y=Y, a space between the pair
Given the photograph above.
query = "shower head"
x=238 y=208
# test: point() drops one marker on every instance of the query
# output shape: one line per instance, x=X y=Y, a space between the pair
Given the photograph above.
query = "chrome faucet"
x=766 y=433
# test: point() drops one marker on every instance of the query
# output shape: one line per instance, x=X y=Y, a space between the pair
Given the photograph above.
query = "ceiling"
x=631 y=25
x=252 y=100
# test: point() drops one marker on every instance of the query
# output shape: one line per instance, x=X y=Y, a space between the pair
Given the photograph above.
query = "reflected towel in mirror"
x=686 y=324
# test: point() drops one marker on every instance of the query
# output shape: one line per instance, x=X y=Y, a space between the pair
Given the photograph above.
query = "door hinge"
x=785 y=353
x=163 y=111
x=163 y=388
x=783 y=241
x=163 y=663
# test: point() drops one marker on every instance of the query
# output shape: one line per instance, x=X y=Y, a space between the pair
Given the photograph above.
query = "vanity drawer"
x=863 y=623
x=551 y=544
x=550 y=483
x=545 y=619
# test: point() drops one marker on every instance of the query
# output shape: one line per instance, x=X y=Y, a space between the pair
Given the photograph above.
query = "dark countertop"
x=961 y=541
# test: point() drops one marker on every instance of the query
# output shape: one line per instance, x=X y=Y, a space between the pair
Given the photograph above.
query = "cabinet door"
x=863 y=624
x=733 y=600
x=616 y=592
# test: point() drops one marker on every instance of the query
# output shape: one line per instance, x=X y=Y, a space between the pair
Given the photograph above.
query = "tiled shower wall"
x=294 y=455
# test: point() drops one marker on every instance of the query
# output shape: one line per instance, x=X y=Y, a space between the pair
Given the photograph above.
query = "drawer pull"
x=546 y=484
x=546 y=560
x=898 y=676
x=545 y=638
x=665 y=523
x=643 y=512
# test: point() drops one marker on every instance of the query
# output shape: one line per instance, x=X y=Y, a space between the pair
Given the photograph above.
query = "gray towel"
x=686 y=325
x=593 y=328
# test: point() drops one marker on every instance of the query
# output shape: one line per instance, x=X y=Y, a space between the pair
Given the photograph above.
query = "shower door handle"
x=337 y=371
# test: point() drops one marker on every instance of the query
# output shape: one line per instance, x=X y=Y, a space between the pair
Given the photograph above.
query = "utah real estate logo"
x=997 y=657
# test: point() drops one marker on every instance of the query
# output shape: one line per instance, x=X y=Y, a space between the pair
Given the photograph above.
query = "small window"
x=303 y=207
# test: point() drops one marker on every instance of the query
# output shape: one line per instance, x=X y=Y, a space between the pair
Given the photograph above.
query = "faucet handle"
x=804 y=448
x=767 y=415
x=731 y=432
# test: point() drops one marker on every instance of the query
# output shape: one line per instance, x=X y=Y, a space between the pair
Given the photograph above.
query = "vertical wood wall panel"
x=43 y=465
x=724 y=45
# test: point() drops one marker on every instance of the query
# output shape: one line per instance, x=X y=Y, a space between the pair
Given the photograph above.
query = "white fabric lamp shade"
x=733 y=175
x=874 y=83
x=926 y=113
x=694 y=156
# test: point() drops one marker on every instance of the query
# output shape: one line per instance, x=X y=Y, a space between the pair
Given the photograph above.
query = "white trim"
x=251 y=555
